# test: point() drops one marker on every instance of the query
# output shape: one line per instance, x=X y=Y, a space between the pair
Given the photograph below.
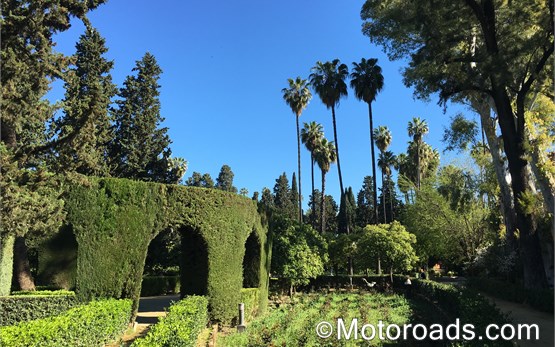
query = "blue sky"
x=224 y=64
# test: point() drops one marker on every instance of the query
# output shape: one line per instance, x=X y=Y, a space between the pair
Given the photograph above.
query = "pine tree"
x=267 y=199
x=198 y=180
x=89 y=90
x=347 y=212
x=225 y=180
x=140 y=149
x=282 y=197
x=365 y=204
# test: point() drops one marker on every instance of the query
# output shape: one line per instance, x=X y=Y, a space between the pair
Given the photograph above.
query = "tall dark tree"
x=140 y=149
x=297 y=97
x=311 y=135
x=331 y=211
x=347 y=212
x=367 y=82
x=294 y=194
x=478 y=47
x=267 y=199
x=198 y=180
x=386 y=161
x=365 y=204
x=282 y=197
x=383 y=140
x=225 y=180
x=29 y=64
x=328 y=81
x=89 y=90
x=325 y=155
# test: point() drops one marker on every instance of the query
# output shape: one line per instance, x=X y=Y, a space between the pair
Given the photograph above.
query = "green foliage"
x=251 y=298
x=347 y=211
x=542 y=299
x=293 y=325
x=460 y=134
x=299 y=252
x=180 y=327
x=57 y=258
x=160 y=285
x=198 y=180
x=127 y=215
x=365 y=203
x=140 y=149
x=225 y=180
x=283 y=199
x=6 y=263
x=465 y=304
x=93 y=324
x=89 y=90
x=30 y=305
x=331 y=211
x=391 y=243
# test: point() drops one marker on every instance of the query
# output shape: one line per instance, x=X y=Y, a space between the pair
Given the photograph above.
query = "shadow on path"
x=152 y=307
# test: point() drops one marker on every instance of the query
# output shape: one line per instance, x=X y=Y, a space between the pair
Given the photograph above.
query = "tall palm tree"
x=328 y=81
x=386 y=160
x=297 y=96
x=383 y=140
x=367 y=82
x=325 y=155
x=417 y=128
x=311 y=136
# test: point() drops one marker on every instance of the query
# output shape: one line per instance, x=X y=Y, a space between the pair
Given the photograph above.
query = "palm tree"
x=311 y=136
x=386 y=160
x=328 y=81
x=297 y=96
x=417 y=128
x=325 y=154
x=383 y=140
x=367 y=82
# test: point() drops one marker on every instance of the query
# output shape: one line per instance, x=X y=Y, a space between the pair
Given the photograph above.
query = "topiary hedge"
x=180 y=327
x=94 y=324
x=114 y=221
x=251 y=298
x=26 y=306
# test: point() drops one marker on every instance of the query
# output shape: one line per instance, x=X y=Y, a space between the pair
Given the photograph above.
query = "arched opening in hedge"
x=57 y=260
x=194 y=262
x=163 y=257
x=251 y=262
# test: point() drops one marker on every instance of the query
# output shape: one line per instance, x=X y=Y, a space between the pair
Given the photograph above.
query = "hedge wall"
x=15 y=309
x=114 y=221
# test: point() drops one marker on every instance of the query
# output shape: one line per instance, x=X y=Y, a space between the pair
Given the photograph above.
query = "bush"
x=25 y=306
x=541 y=299
x=251 y=298
x=181 y=326
x=465 y=304
x=93 y=324
x=160 y=285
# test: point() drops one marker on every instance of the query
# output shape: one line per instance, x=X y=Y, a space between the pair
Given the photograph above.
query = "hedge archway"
x=114 y=220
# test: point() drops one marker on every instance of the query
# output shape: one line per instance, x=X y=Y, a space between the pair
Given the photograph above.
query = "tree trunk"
x=313 y=213
x=489 y=126
x=21 y=265
x=6 y=264
x=383 y=199
x=392 y=214
x=418 y=164
x=513 y=141
x=374 y=181
x=299 y=167
x=546 y=184
x=391 y=274
x=379 y=265
x=323 y=204
x=337 y=149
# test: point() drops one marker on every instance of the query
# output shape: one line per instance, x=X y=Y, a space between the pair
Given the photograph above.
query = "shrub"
x=251 y=298
x=25 y=306
x=181 y=326
x=93 y=324
x=541 y=299
x=160 y=285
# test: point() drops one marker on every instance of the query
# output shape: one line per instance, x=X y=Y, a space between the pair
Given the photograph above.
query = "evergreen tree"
x=294 y=191
x=225 y=180
x=140 y=149
x=282 y=197
x=198 y=180
x=267 y=199
x=89 y=90
x=365 y=203
x=331 y=211
x=347 y=212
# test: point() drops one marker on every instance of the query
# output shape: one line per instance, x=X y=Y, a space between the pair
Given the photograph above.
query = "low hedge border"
x=93 y=324
x=160 y=285
x=181 y=326
x=26 y=306
x=541 y=299
x=251 y=298
x=463 y=303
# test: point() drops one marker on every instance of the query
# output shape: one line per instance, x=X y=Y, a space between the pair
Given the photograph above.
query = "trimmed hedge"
x=251 y=298
x=6 y=263
x=26 y=306
x=160 y=285
x=114 y=221
x=94 y=324
x=465 y=304
x=541 y=299
x=180 y=327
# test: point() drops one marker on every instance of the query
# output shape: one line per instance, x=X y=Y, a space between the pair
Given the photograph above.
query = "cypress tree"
x=89 y=90
x=294 y=192
x=225 y=180
x=140 y=149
